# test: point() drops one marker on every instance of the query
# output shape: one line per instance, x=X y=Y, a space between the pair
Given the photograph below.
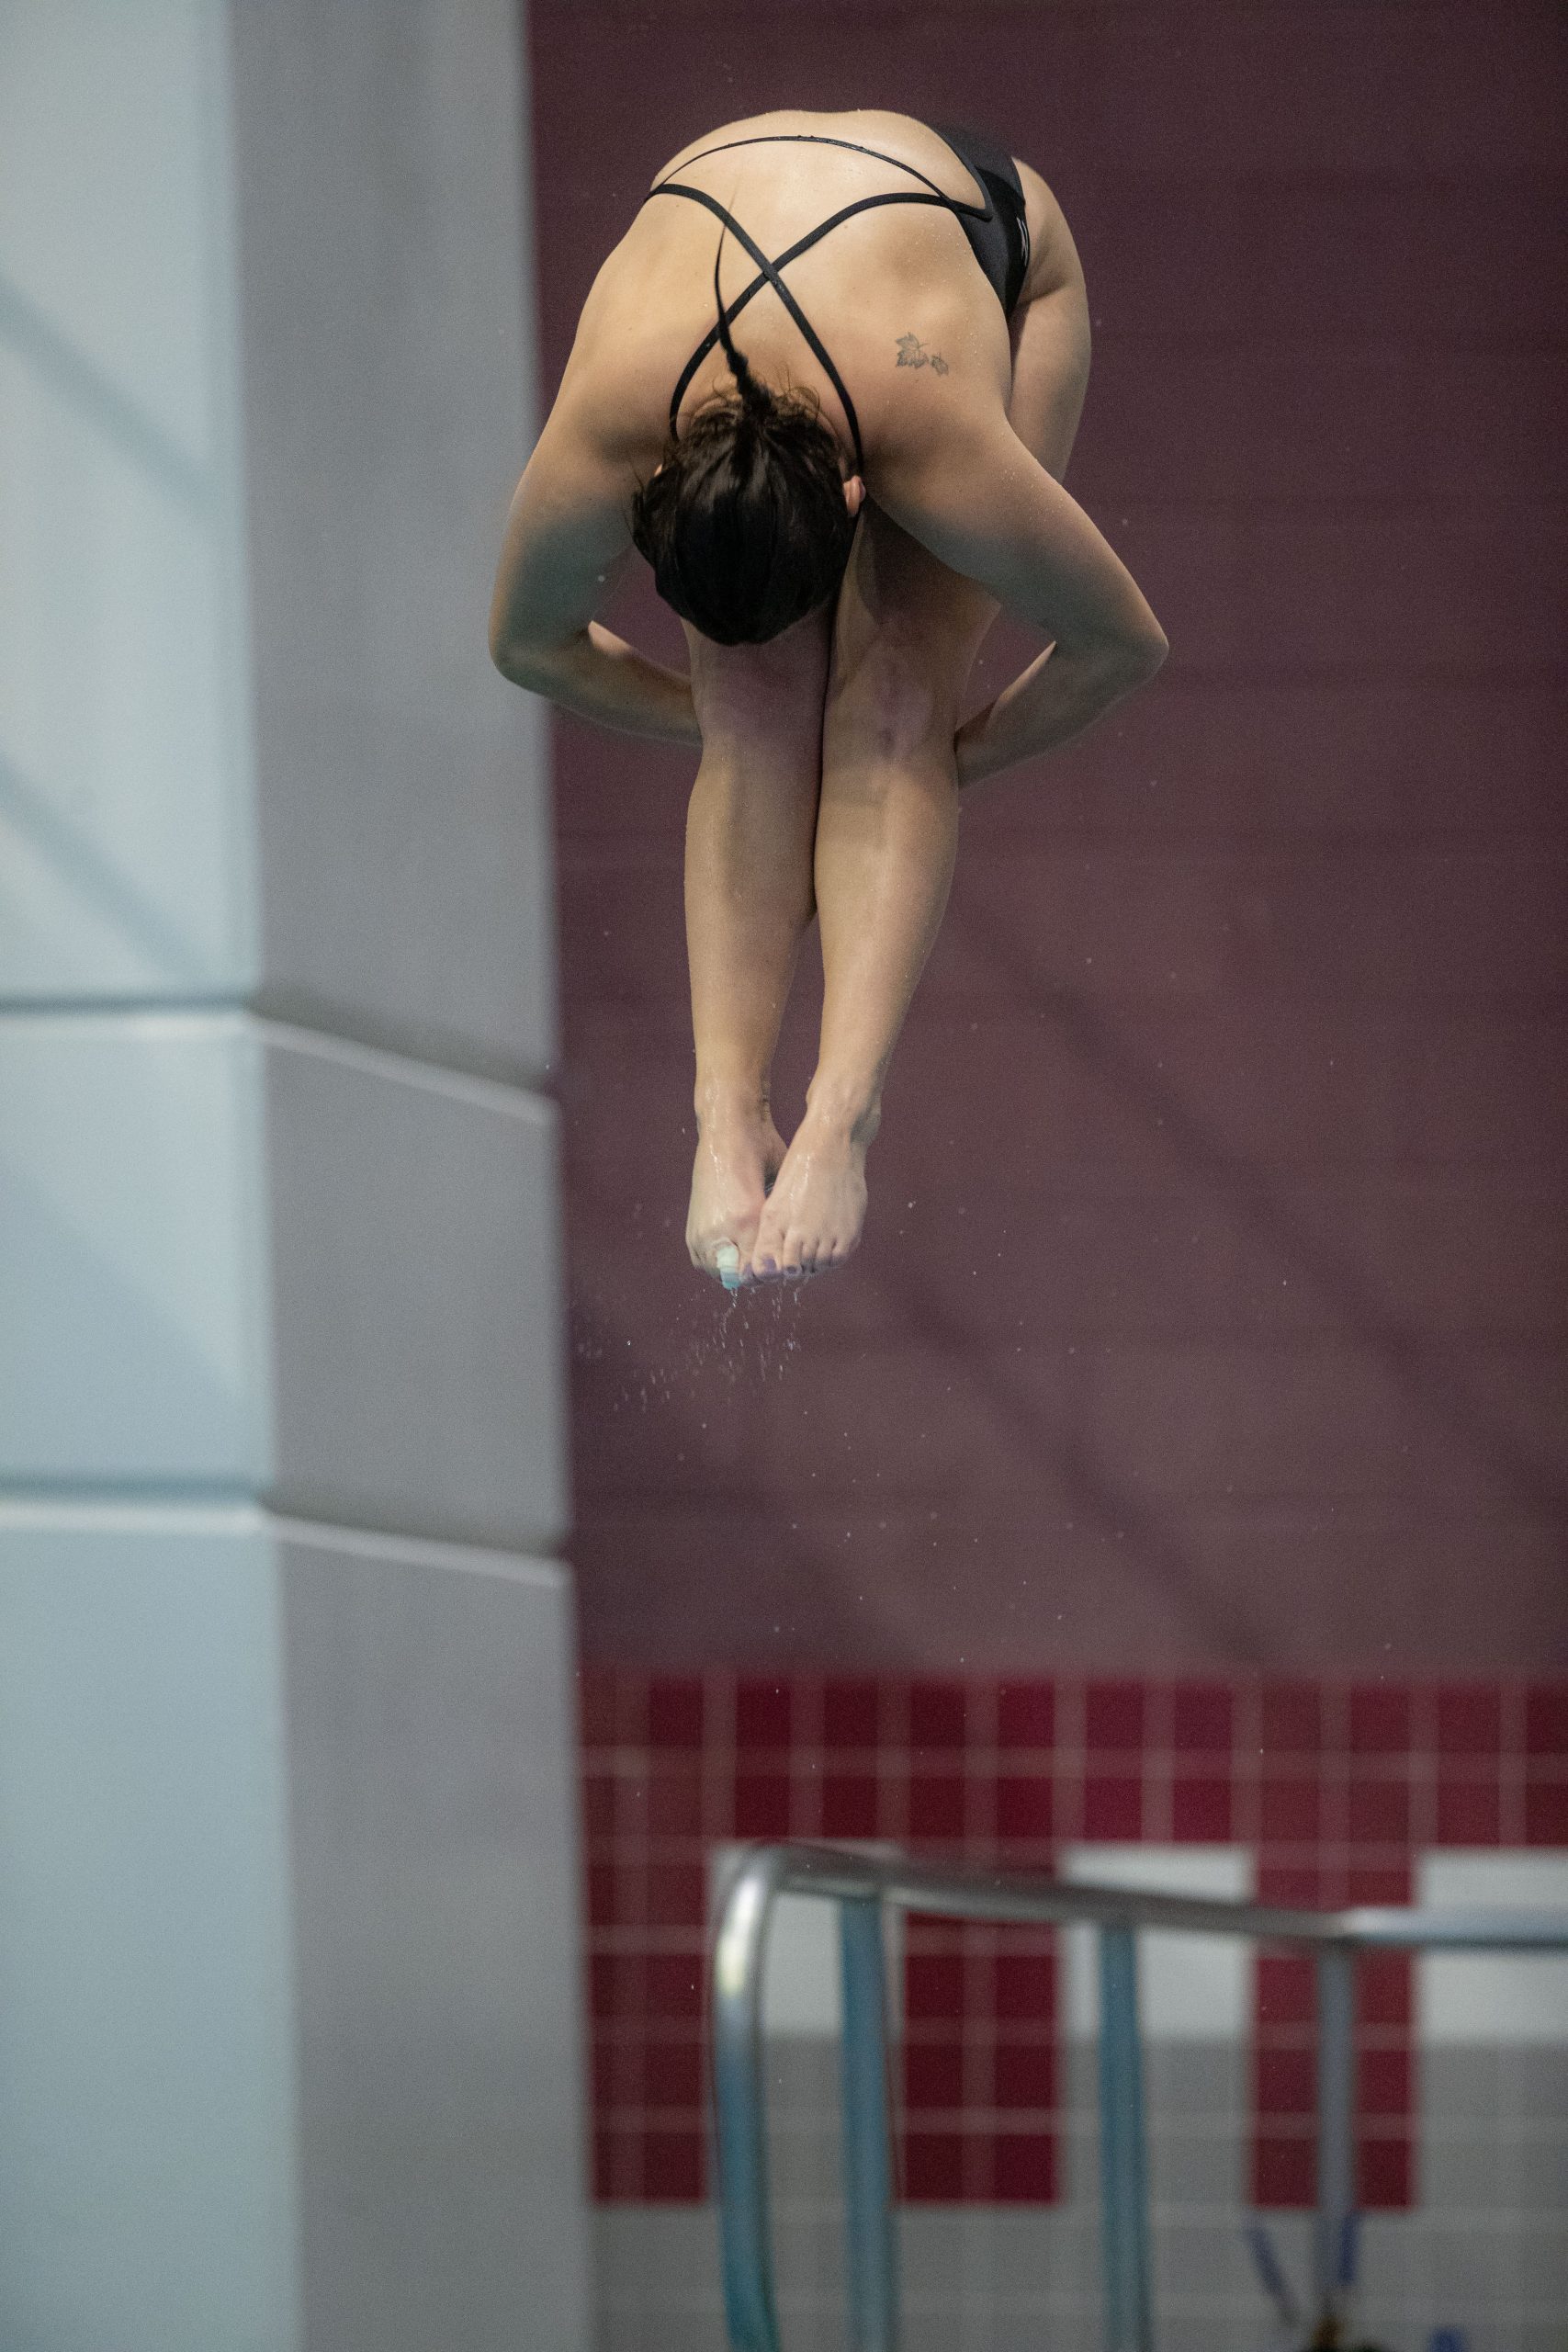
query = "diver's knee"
x=751 y=695
x=891 y=703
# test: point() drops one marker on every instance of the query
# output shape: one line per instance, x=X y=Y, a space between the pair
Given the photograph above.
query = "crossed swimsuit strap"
x=768 y=271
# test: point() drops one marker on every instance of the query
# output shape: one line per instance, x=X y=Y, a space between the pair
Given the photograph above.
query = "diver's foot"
x=739 y=1156
x=813 y=1217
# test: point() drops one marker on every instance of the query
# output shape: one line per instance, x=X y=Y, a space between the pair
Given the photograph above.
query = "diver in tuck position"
x=836 y=510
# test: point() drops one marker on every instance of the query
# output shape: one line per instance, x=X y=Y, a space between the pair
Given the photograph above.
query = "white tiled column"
x=289 y=2050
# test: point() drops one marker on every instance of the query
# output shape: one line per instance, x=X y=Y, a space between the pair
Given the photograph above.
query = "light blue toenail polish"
x=727 y=1259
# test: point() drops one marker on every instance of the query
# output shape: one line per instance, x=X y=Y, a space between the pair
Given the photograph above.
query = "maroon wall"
x=1211 y=1307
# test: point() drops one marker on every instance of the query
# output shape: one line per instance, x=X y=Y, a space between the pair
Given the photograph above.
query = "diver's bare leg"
x=749 y=897
x=907 y=630
x=886 y=835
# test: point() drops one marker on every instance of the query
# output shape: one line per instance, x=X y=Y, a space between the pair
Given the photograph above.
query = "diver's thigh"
x=1050 y=374
x=905 y=637
x=1050 y=334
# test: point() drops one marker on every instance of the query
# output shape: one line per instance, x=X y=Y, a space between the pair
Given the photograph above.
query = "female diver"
x=835 y=509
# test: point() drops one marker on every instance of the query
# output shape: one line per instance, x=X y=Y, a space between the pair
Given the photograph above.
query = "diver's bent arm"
x=567 y=538
x=958 y=479
x=1061 y=695
x=599 y=676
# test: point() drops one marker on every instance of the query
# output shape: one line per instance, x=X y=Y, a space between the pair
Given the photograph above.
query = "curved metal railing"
x=863 y=1885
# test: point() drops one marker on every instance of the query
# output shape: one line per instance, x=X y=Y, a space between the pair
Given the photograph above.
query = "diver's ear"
x=854 y=494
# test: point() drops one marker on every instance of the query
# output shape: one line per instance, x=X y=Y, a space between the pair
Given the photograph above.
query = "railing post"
x=740 y=2122
x=871 y=2249
x=1124 y=2155
x=1336 y=2123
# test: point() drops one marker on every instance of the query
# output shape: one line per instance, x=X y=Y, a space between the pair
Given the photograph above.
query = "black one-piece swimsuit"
x=998 y=233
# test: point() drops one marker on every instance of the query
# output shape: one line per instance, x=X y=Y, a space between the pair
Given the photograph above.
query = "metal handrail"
x=862 y=1885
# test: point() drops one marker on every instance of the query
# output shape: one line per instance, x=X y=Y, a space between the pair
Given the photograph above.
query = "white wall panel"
x=430 y=1761
x=404 y=786
x=147 y=2172
x=1483 y=2000
x=416 y=1301
x=125 y=808
x=288 y=1937
x=132 y=1346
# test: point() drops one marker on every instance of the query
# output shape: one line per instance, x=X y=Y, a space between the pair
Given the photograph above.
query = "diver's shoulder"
x=626 y=355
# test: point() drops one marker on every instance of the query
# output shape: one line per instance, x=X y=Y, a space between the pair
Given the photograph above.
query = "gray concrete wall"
x=289 y=2046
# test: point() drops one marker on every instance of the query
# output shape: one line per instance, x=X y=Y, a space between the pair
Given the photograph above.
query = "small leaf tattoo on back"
x=912 y=352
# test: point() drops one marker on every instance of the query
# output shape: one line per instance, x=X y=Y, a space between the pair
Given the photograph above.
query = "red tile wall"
x=1212 y=1308
x=1336 y=1788
x=1189 y=1435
